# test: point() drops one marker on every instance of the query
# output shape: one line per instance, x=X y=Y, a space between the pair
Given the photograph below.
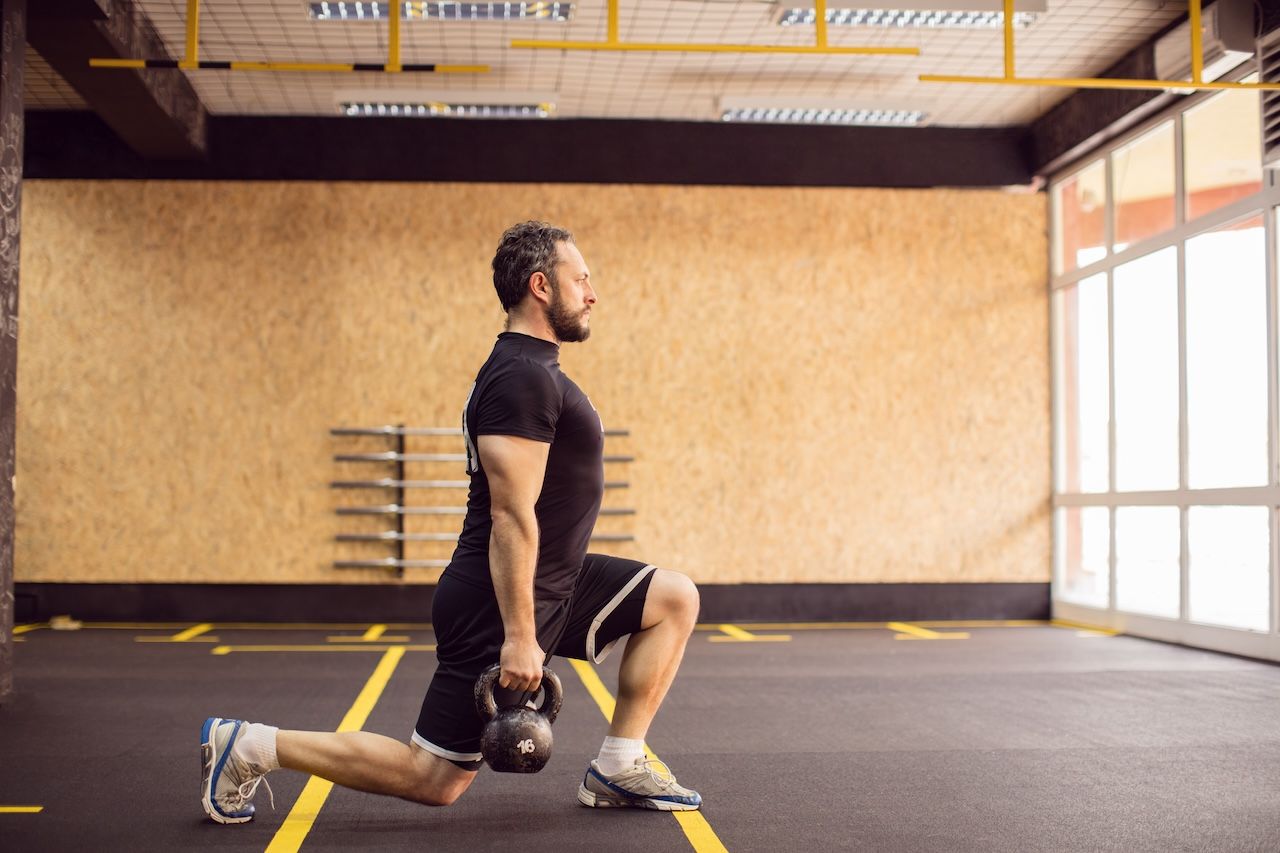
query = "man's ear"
x=540 y=287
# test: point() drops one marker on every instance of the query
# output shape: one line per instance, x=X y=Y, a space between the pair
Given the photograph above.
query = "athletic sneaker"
x=227 y=784
x=648 y=785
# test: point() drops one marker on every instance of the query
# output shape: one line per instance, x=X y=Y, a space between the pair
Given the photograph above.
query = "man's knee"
x=678 y=594
x=436 y=781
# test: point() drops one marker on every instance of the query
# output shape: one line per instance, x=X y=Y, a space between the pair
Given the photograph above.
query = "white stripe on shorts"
x=604 y=614
x=442 y=752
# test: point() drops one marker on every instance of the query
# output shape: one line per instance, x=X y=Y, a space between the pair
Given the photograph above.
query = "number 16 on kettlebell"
x=517 y=739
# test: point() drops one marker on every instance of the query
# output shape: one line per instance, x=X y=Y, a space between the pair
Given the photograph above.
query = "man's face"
x=572 y=296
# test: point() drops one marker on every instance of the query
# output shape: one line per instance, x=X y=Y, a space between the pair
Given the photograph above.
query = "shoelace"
x=661 y=773
x=252 y=785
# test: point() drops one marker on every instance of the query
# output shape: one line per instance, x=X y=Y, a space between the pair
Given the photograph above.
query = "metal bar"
x=1197 y=49
x=1008 y=40
x=400 y=440
x=1086 y=82
x=391 y=456
x=388 y=483
x=392 y=536
x=717 y=48
x=320 y=67
x=394 y=430
x=612 y=32
x=192 y=58
x=393 y=59
x=397 y=509
x=1242 y=496
x=820 y=23
x=390 y=563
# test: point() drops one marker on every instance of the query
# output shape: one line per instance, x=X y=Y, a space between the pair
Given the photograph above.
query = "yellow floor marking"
x=915 y=632
x=375 y=633
x=26 y=629
x=194 y=634
x=695 y=826
x=293 y=831
x=21 y=809
x=734 y=634
x=370 y=647
x=1084 y=630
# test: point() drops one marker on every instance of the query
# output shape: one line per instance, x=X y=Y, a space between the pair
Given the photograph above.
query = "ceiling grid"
x=1073 y=38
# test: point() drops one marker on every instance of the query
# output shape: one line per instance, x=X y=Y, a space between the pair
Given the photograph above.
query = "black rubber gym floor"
x=1017 y=737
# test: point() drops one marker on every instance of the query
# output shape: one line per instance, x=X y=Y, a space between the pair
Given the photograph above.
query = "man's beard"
x=567 y=325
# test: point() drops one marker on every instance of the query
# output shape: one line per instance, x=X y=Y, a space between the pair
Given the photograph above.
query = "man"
x=521 y=585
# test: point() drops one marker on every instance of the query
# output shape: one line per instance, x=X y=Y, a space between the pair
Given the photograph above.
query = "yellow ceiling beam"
x=613 y=43
x=1196 y=83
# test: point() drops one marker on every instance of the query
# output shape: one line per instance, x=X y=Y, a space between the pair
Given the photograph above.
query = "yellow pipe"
x=117 y=63
x=1097 y=83
x=1197 y=49
x=462 y=69
x=820 y=10
x=613 y=22
x=1008 y=40
x=393 y=62
x=192 y=58
x=712 y=48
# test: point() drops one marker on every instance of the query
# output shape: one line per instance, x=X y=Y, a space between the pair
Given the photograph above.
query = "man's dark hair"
x=525 y=249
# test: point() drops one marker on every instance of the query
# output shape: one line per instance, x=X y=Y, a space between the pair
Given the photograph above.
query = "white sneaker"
x=648 y=785
x=227 y=784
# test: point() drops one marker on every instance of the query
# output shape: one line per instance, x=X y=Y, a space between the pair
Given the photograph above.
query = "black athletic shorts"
x=607 y=605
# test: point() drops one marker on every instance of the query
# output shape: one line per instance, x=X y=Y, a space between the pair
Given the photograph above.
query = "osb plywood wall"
x=822 y=384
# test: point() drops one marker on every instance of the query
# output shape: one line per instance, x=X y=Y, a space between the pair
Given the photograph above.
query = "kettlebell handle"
x=552 y=693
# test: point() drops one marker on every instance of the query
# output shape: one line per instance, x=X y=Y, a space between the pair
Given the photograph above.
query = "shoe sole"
x=209 y=760
x=599 y=801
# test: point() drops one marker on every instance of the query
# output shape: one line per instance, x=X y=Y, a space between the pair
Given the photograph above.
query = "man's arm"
x=515 y=468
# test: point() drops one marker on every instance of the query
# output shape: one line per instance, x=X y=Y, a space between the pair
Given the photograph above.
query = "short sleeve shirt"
x=521 y=391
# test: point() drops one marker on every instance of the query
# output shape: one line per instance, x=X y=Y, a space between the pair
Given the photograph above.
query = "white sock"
x=256 y=744
x=618 y=754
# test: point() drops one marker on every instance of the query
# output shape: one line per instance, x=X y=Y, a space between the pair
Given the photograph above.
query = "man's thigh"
x=608 y=605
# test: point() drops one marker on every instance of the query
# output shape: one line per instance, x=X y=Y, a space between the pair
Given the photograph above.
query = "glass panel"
x=1142 y=187
x=1230 y=552
x=1227 y=357
x=1079 y=206
x=1084 y=406
x=1222 y=151
x=1146 y=367
x=1147 y=565
x=1083 y=551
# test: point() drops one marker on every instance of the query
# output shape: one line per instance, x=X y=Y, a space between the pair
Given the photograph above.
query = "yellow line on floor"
x=915 y=632
x=21 y=809
x=695 y=826
x=1094 y=630
x=302 y=816
x=24 y=629
x=193 y=631
x=734 y=634
x=374 y=632
x=368 y=647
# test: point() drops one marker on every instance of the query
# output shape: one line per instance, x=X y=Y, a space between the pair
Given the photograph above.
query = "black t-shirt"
x=521 y=391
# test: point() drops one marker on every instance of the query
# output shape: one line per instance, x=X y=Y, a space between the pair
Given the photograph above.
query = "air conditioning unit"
x=1227 y=42
x=1269 y=72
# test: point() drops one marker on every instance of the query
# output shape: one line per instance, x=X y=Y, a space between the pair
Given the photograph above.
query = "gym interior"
x=936 y=342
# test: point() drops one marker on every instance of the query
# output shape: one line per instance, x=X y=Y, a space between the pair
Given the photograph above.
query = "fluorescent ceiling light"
x=824 y=115
x=440 y=109
x=426 y=11
x=901 y=14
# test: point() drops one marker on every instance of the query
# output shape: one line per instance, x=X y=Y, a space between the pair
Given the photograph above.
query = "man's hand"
x=521 y=666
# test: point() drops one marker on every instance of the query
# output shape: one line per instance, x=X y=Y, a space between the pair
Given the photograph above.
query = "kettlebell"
x=517 y=739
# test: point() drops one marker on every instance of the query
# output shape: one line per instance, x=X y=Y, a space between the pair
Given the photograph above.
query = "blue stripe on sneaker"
x=687 y=801
x=217 y=771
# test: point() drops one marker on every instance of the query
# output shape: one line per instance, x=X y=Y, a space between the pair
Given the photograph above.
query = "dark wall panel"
x=78 y=145
x=12 y=40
